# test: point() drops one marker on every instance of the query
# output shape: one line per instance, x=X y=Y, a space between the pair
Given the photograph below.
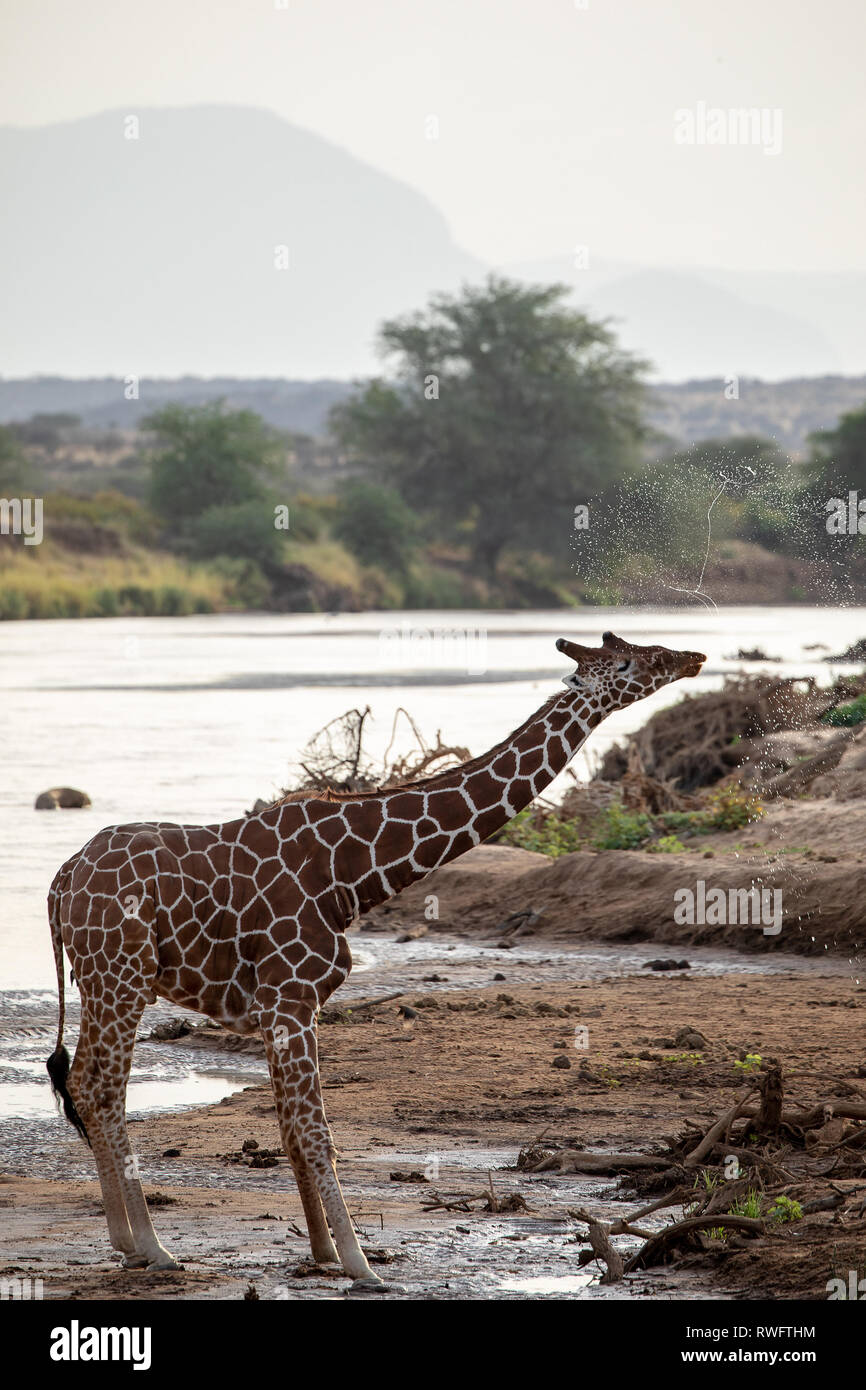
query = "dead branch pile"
x=336 y=760
x=769 y=1161
x=584 y=802
x=793 y=781
x=487 y=1199
x=695 y=743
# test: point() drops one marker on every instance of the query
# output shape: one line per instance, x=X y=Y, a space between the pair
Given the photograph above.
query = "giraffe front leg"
x=322 y=1246
x=290 y=1040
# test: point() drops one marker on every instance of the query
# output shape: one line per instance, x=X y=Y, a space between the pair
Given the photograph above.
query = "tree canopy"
x=506 y=408
x=204 y=457
x=839 y=455
x=16 y=474
x=374 y=523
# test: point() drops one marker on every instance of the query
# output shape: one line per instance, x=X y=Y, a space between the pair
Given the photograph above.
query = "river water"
x=190 y=719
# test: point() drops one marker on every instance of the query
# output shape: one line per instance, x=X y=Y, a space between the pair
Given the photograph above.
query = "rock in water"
x=64 y=797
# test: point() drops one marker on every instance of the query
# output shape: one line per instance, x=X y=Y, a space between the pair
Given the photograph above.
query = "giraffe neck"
x=382 y=842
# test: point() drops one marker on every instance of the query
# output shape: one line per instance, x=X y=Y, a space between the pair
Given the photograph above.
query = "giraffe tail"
x=57 y=1065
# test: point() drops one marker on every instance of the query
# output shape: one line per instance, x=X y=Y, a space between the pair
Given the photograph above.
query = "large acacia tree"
x=503 y=409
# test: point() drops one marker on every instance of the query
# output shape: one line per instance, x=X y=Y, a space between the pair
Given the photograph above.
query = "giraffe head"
x=617 y=673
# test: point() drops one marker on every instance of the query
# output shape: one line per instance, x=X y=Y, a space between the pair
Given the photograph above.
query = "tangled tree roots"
x=769 y=1161
x=746 y=707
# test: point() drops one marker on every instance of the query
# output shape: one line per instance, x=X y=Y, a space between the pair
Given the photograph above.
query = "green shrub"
x=617 y=828
x=172 y=602
x=376 y=526
x=548 y=835
x=668 y=844
x=246 y=586
x=732 y=807
x=844 y=716
x=785 y=1209
x=13 y=604
x=244 y=530
x=106 y=603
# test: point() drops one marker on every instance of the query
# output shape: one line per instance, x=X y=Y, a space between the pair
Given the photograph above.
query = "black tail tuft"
x=58 y=1069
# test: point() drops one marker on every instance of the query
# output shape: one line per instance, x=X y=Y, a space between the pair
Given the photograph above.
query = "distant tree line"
x=503 y=408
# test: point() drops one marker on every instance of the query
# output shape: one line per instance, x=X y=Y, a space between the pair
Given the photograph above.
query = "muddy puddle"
x=420 y=1255
x=164 y=1078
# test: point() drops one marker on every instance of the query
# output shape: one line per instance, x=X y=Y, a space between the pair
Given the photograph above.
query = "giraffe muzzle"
x=692 y=663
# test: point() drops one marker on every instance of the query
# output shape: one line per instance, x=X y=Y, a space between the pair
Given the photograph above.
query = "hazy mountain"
x=704 y=322
x=156 y=255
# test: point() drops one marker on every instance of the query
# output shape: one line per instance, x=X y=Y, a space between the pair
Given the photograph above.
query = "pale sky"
x=556 y=122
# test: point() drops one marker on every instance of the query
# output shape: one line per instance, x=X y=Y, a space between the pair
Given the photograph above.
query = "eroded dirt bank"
x=812 y=854
x=480 y=1074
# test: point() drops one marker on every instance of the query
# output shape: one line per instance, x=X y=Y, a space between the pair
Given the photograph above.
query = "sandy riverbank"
x=468 y=1086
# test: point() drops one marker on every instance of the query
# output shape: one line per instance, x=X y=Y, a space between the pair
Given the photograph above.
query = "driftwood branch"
x=656 y=1247
x=792 y=782
x=828 y=1076
x=581 y=1161
x=601 y=1247
x=708 y=1143
x=769 y=1116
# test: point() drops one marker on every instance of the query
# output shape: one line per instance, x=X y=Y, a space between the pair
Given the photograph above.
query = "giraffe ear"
x=574 y=681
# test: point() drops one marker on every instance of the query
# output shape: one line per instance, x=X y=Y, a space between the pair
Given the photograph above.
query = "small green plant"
x=750 y=1063
x=750 y=1205
x=668 y=844
x=687 y=1059
x=732 y=807
x=617 y=828
x=844 y=716
x=543 y=835
x=785 y=1209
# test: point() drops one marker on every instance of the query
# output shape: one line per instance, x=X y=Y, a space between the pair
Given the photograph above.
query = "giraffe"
x=246 y=923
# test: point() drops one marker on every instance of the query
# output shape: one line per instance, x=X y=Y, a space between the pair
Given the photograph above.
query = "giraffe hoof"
x=331 y=1258
x=133 y=1261
x=163 y=1261
x=368 y=1283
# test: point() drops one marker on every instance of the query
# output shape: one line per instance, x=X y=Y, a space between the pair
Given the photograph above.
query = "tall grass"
x=46 y=582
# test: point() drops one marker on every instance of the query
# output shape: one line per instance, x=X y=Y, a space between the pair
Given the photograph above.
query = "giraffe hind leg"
x=97 y=1083
x=119 y=1230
